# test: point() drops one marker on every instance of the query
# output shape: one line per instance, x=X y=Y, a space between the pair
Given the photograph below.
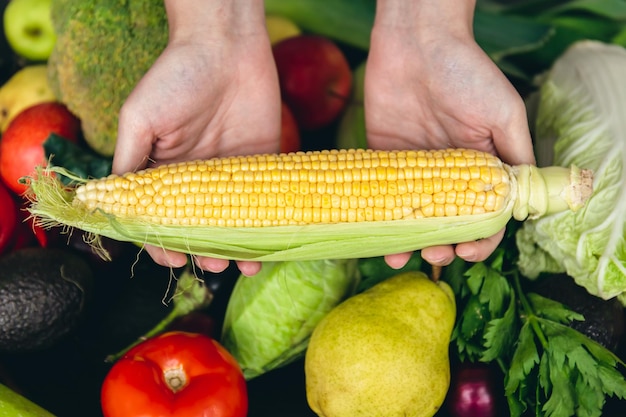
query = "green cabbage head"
x=581 y=120
x=270 y=316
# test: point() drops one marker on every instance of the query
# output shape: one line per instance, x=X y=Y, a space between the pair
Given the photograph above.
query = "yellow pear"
x=27 y=87
x=383 y=352
x=279 y=28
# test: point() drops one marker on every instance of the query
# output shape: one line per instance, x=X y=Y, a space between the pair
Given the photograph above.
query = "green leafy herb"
x=80 y=160
x=551 y=369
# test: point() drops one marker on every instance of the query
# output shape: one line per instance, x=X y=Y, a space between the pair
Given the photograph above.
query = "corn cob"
x=314 y=205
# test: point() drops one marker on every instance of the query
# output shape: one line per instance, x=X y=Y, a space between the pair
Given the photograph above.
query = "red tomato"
x=175 y=374
x=8 y=219
x=21 y=147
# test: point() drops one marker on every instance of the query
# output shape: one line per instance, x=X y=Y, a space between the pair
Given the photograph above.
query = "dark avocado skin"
x=42 y=295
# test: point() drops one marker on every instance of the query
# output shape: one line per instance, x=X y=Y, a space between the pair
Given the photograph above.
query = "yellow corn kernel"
x=306 y=187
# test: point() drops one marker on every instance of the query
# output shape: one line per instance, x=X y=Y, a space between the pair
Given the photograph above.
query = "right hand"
x=202 y=98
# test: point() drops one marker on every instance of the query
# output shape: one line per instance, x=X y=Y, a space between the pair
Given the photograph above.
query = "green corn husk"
x=534 y=192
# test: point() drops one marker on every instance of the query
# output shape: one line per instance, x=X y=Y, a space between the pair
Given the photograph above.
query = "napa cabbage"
x=581 y=120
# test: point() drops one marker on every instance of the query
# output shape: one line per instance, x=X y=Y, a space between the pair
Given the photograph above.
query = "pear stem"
x=435 y=272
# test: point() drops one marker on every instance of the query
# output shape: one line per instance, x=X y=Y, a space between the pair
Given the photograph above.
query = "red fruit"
x=475 y=391
x=289 y=133
x=175 y=374
x=21 y=147
x=42 y=236
x=8 y=219
x=25 y=237
x=27 y=233
x=315 y=79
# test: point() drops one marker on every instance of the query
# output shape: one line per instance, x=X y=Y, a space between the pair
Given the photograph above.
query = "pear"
x=27 y=87
x=280 y=28
x=383 y=352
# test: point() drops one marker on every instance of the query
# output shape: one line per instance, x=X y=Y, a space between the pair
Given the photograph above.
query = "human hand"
x=208 y=94
x=433 y=88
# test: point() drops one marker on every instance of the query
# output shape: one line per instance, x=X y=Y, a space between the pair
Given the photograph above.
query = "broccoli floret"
x=103 y=49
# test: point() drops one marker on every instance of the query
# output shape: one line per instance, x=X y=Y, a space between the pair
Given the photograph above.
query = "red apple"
x=289 y=133
x=315 y=79
x=21 y=147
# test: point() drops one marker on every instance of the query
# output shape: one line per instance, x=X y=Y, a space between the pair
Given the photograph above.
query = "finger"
x=439 y=255
x=133 y=146
x=398 y=260
x=166 y=257
x=479 y=250
x=249 y=268
x=514 y=144
x=214 y=265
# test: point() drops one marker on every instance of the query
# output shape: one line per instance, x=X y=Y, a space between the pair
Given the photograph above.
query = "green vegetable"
x=348 y=21
x=567 y=22
x=103 y=48
x=13 y=404
x=83 y=162
x=270 y=317
x=581 y=105
x=190 y=294
x=551 y=370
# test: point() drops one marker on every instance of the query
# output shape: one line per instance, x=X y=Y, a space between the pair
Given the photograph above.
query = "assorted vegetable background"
x=538 y=355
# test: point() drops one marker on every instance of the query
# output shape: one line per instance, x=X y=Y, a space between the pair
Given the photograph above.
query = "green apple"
x=28 y=28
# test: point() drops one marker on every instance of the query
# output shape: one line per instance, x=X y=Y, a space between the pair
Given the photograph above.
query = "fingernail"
x=468 y=256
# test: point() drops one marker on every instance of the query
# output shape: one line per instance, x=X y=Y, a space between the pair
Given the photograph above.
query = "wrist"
x=426 y=18
x=193 y=20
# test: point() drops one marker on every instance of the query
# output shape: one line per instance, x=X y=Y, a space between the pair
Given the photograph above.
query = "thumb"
x=514 y=144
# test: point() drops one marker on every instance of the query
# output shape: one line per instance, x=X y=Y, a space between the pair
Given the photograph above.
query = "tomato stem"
x=175 y=378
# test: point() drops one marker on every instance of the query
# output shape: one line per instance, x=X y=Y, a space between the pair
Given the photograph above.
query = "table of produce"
x=305 y=313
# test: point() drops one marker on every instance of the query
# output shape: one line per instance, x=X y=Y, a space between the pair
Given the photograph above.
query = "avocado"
x=43 y=293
